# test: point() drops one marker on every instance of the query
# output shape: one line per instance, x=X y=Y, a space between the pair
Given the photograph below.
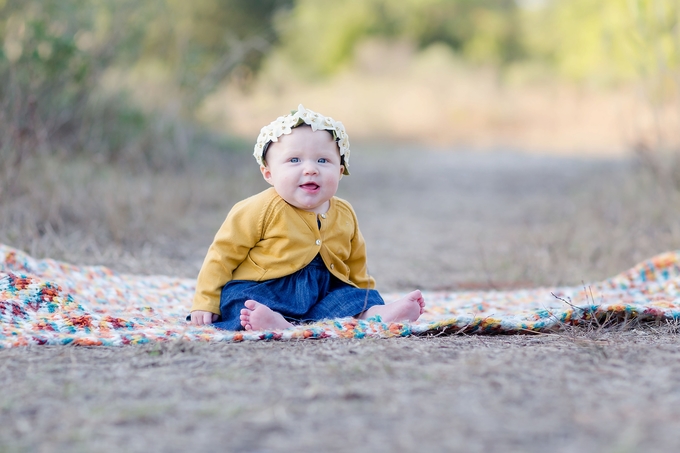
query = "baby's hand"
x=202 y=318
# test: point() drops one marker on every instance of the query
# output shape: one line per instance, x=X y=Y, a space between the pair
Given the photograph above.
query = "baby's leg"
x=408 y=308
x=256 y=316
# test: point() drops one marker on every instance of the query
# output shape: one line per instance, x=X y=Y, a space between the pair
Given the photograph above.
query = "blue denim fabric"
x=310 y=294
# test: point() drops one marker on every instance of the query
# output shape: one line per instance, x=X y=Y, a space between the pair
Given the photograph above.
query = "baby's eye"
x=295 y=160
x=322 y=160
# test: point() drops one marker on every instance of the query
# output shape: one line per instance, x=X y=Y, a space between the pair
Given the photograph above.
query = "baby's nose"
x=310 y=168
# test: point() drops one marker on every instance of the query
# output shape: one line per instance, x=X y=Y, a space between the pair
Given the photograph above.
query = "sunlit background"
x=496 y=145
x=126 y=125
x=122 y=80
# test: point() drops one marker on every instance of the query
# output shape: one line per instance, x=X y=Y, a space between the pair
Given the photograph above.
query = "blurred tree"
x=203 y=41
x=619 y=41
x=320 y=35
x=55 y=55
x=656 y=53
x=614 y=40
x=655 y=45
x=52 y=58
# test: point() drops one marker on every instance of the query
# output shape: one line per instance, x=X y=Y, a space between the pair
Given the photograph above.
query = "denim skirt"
x=310 y=294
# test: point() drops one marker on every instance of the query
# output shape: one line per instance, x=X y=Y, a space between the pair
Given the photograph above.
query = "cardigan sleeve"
x=239 y=233
x=357 y=261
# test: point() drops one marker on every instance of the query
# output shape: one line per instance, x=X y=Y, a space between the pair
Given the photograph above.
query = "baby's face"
x=304 y=168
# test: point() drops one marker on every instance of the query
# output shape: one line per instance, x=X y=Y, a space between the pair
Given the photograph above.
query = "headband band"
x=284 y=125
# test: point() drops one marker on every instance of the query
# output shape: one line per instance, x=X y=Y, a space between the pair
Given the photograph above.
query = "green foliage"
x=201 y=42
x=53 y=57
x=656 y=45
x=616 y=39
x=322 y=34
x=58 y=58
x=579 y=39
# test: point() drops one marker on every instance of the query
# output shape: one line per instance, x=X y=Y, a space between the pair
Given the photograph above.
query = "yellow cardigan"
x=264 y=237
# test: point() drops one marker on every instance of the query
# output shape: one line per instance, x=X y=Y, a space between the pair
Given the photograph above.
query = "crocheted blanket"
x=51 y=302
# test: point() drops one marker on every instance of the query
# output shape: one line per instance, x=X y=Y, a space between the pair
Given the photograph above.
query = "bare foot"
x=408 y=308
x=260 y=317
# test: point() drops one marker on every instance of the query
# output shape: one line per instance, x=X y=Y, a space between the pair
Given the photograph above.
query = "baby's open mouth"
x=310 y=186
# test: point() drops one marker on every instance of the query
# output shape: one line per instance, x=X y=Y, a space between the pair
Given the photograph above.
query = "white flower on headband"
x=284 y=125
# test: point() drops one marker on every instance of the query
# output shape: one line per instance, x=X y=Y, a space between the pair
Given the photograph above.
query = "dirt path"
x=460 y=220
x=432 y=220
x=455 y=220
x=618 y=393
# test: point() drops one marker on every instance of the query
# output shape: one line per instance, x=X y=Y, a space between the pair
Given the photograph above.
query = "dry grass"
x=118 y=216
x=437 y=220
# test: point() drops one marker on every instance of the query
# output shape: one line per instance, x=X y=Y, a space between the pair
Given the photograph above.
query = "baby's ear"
x=266 y=174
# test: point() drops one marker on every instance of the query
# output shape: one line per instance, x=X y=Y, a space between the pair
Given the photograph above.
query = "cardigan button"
x=318 y=242
x=323 y=216
x=332 y=266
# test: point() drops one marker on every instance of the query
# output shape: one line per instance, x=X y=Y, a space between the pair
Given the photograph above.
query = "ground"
x=619 y=393
x=432 y=220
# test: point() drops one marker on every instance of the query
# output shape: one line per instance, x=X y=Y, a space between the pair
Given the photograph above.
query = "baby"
x=293 y=253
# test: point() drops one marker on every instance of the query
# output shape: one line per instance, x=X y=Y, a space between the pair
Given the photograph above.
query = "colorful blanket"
x=51 y=302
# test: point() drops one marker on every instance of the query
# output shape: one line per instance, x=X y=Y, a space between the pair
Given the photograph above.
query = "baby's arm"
x=358 y=269
x=238 y=234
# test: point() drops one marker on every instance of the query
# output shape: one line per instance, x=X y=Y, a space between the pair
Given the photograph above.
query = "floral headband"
x=284 y=125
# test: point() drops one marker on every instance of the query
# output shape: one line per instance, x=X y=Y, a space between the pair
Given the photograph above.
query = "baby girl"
x=293 y=253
